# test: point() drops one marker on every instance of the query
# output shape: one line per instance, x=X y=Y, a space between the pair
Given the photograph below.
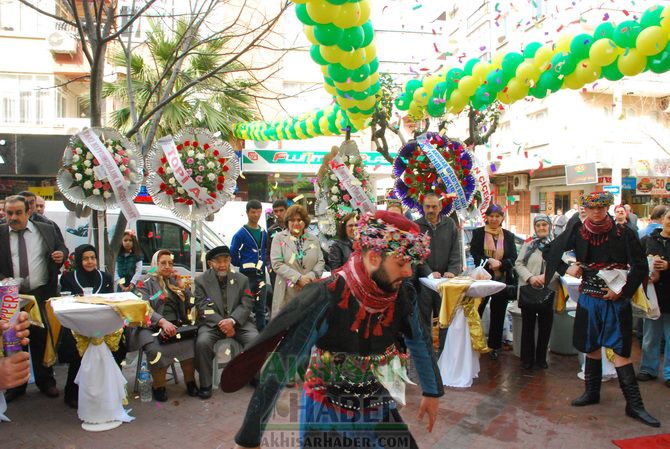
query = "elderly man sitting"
x=224 y=302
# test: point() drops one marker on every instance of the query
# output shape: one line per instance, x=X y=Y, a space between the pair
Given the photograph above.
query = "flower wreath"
x=82 y=183
x=416 y=175
x=210 y=162
x=335 y=197
x=70 y=264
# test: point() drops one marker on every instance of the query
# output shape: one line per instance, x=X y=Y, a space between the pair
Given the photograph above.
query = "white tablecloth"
x=459 y=363
x=101 y=383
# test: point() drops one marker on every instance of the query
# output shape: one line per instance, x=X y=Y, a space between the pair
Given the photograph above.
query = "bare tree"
x=100 y=26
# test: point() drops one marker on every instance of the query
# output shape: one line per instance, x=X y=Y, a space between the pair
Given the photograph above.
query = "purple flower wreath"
x=416 y=176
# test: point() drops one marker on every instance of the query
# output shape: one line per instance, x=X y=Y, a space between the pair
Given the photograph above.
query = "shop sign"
x=653 y=186
x=45 y=192
x=604 y=180
x=296 y=161
x=628 y=183
x=651 y=167
x=581 y=174
x=614 y=190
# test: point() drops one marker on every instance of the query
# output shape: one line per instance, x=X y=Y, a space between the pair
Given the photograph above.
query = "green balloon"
x=361 y=73
x=564 y=63
x=660 y=63
x=435 y=109
x=374 y=88
x=531 y=49
x=337 y=2
x=328 y=80
x=453 y=76
x=580 y=46
x=550 y=81
x=510 y=62
x=651 y=17
x=612 y=72
x=352 y=38
x=338 y=73
x=538 y=92
x=368 y=33
x=411 y=86
x=495 y=82
x=626 y=34
x=470 y=65
x=328 y=34
x=603 y=31
x=402 y=103
x=303 y=15
x=374 y=65
x=316 y=55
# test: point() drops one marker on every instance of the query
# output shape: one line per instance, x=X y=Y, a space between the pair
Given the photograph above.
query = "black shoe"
x=527 y=365
x=50 y=392
x=542 y=365
x=644 y=377
x=593 y=378
x=72 y=401
x=631 y=391
x=205 y=392
x=14 y=393
x=160 y=394
x=494 y=354
x=192 y=389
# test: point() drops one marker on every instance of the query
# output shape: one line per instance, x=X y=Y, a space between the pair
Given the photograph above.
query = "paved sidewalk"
x=506 y=408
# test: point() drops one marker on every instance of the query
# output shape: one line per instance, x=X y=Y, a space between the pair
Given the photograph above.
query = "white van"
x=157 y=229
x=231 y=217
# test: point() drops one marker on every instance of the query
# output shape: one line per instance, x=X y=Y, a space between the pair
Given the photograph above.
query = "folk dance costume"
x=349 y=337
x=600 y=248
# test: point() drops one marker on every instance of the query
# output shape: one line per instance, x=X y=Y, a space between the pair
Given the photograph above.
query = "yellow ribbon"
x=453 y=294
x=112 y=340
x=561 y=298
x=640 y=300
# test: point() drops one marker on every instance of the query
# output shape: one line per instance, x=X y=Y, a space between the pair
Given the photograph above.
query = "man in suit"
x=34 y=253
x=224 y=303
x=37 y=217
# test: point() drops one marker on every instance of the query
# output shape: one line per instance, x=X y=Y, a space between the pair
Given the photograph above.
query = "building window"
x=17 y=17
x=27 y=99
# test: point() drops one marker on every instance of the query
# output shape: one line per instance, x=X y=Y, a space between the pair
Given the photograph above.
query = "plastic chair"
x=225 y=350
x=140 y=355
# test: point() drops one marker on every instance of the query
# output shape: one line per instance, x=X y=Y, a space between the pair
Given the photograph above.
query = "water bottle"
x=469 y=265
x=144 y=380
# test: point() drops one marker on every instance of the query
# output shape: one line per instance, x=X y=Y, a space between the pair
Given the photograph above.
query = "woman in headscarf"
x=495 y=246
x=85 y=275
x=530 y=267
x=171 y=304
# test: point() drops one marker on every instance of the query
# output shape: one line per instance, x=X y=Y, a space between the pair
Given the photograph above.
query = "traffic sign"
x=615 y=190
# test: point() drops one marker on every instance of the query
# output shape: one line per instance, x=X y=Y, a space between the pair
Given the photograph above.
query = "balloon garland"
x=343 y=45
x=416 y=175
x=342 y=40
x=612 y=52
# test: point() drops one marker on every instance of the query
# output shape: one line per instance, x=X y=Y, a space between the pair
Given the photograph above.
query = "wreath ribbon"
x=359 y=198
x=482 y=177
x=445 y=171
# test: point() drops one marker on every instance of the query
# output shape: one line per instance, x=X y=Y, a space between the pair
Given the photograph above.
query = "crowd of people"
x=268 y=279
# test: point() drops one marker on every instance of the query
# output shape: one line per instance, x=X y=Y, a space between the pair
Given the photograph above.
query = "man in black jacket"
x=444 y=260
x=34 y=253
x=604 y=316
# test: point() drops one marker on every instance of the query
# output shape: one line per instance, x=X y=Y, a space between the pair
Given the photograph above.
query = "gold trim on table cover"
x=453 y=294
x=112 y=341
x=133 y=312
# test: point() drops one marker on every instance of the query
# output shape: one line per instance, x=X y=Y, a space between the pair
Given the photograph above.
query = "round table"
x=102 y=387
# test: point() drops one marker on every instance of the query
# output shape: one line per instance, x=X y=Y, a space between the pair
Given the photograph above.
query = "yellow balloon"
x=496 y=62
x=324 y=69
x=368 y=103
x=572 y=82
x=299 y=133
x=365 y=13
x=528 y=73
x=632 y=62
x=542 y=57
x=503 y=97
x=330 y=89
x=309 y=33
x=603 y=52
x=587 y=72
x=348 y=15
x=457 y=102
x=517 y=89
x=665 y=20
x=346 y=103
x=651 y=41
x=353 y=59
x=563 y=43
x=322 y=11
x=310 y=128
x=429 y=82
x=468 y=85
x=420 y=97
x=480 y=70
x=370 y=52
x=331 y=53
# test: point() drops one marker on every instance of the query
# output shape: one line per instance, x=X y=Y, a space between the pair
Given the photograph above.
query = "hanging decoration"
x=193 y=174
x=101 y=169
x=434 y=164
x=343 y=186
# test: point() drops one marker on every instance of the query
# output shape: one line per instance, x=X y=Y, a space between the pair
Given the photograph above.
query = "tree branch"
x=48 y=14
x=131 y=20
